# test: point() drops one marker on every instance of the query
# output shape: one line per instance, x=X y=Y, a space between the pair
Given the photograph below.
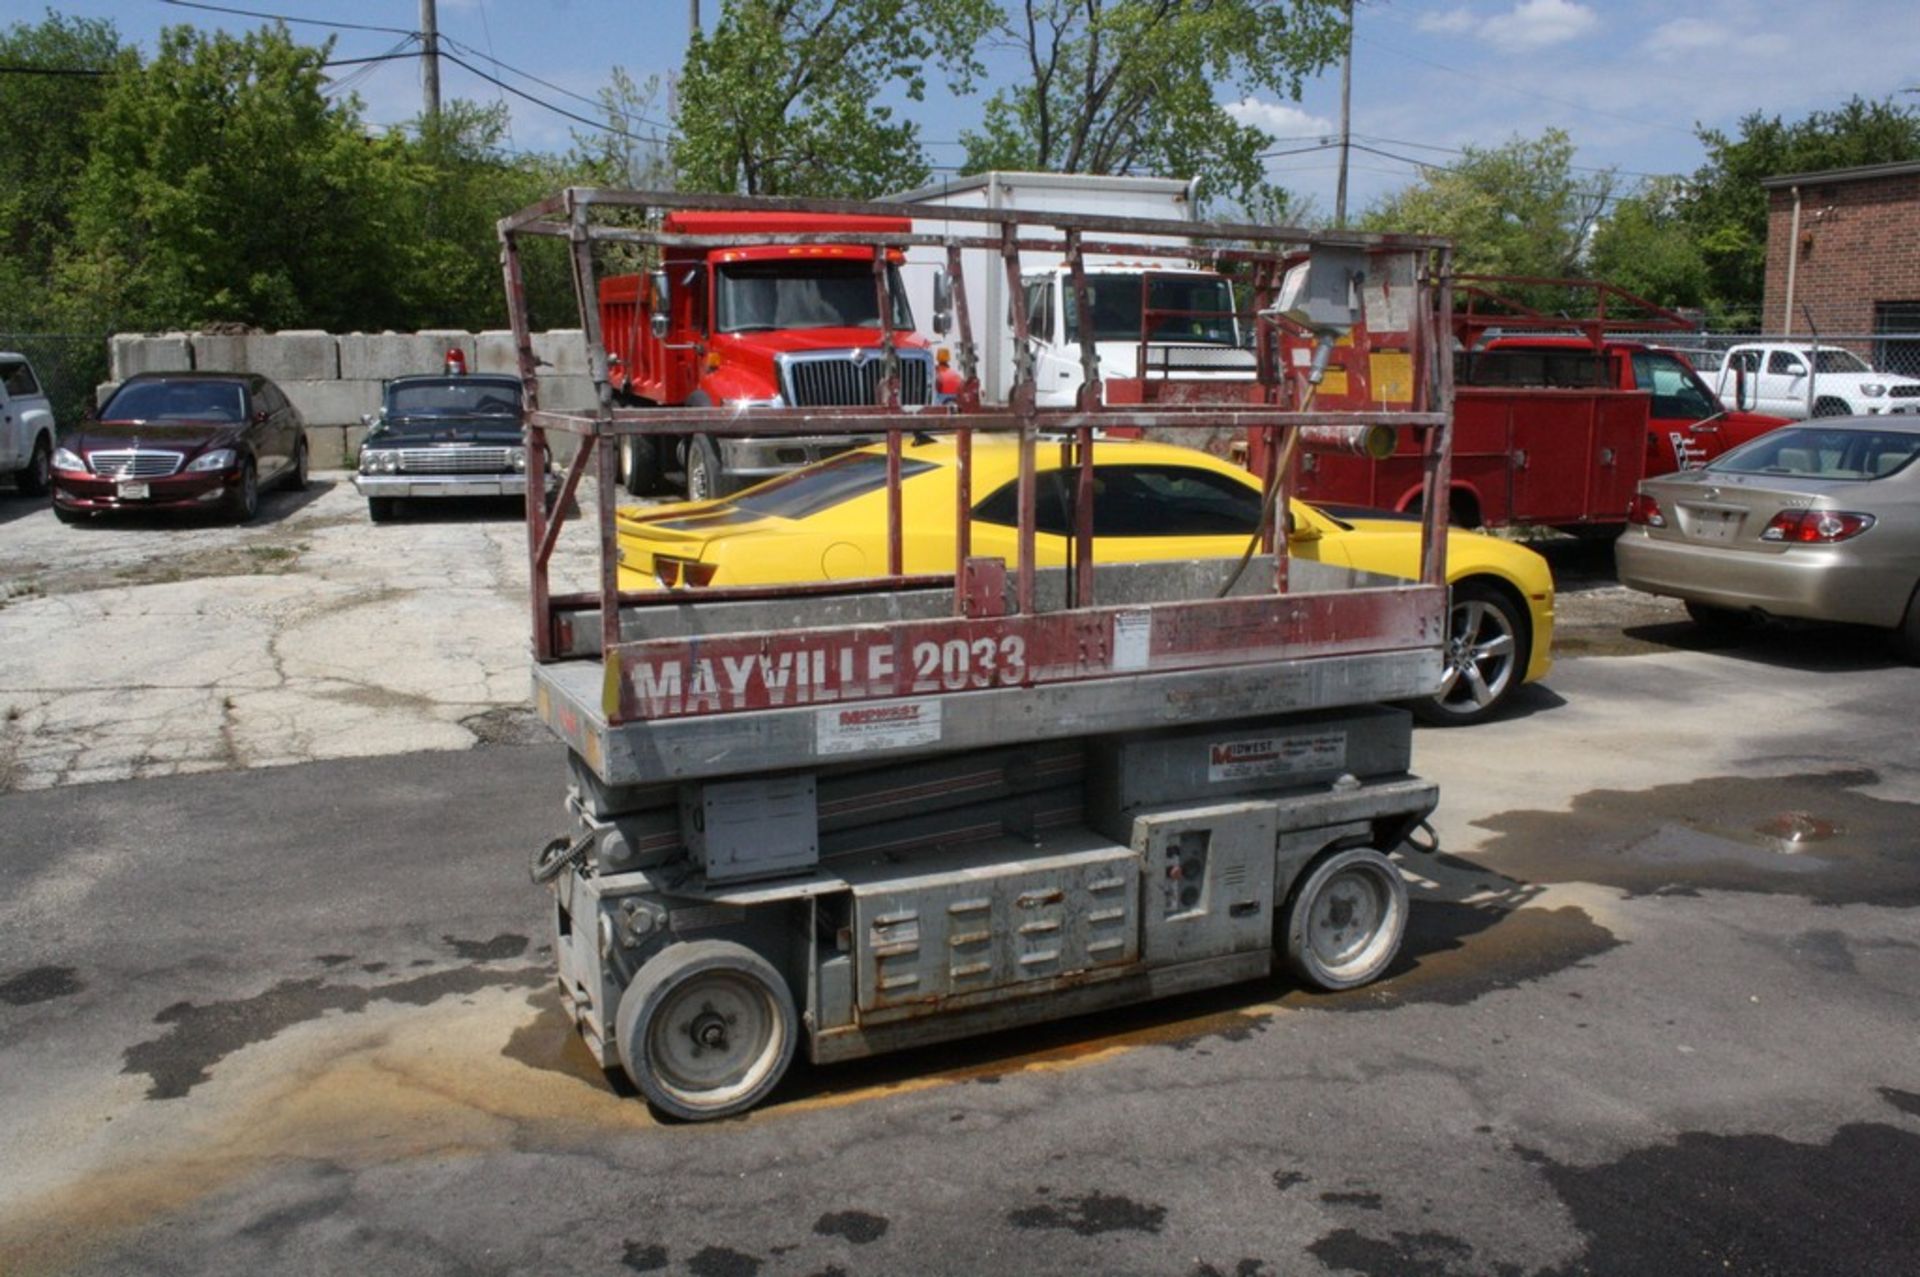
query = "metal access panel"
x=759 y=828
x=1208 y=887
x=922 y=941
x=1130 y=773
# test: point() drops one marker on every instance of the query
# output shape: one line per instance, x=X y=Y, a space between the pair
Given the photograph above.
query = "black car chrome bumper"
x=446 y=485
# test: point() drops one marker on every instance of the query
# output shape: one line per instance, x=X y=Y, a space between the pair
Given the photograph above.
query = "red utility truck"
x=1551 y=426
x=798 y=324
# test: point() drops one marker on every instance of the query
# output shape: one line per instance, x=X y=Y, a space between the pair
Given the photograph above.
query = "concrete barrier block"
x=333 y=403
x=103 y=392
x=132 y=353
x=568 y=394
x=496 y=353
x=562 y=351
x=294 y=356
x=288 y=356
x=335 y=447
x=383 y=356
x=219 y=352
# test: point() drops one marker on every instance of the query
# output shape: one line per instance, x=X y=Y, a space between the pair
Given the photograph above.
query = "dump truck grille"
x=837 y=379
x=141 y=464
x=454 y=460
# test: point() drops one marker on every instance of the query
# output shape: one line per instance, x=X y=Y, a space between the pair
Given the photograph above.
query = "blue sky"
x=1628 y=79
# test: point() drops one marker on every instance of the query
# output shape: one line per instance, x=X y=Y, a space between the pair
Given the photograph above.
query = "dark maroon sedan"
x=182 y=441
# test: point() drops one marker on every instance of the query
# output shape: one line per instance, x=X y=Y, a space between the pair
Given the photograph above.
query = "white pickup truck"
x=1793 y=380
x=26 y=426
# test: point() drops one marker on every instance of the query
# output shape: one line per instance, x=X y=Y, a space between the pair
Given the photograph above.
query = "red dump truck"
x=744 y=319
x=1556 y=419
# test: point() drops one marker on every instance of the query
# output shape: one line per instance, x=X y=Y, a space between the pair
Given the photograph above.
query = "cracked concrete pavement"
x=145 y=647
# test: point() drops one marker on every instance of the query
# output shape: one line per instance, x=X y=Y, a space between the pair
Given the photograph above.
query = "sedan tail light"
x=1645 y=511
x=1815 y=527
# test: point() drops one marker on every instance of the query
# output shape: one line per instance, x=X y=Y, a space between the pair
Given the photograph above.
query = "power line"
x=548 y=84
x=284 y=17
x=1456 y=150
x=1604 y=199
x=557 y=110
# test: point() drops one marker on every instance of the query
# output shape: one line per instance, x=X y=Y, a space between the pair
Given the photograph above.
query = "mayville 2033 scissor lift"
x=862 y=815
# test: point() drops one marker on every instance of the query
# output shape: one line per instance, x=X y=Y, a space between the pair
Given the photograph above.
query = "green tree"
x=1130 y=86
x=1515 y=209
x=630 y=151
x=1646 y=247
x=224 y=186
x=46 y=154
x=1726 y=208
x=454 y=183
x=783 y=97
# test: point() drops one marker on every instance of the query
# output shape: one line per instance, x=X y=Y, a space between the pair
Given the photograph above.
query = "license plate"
x=1716 y=525
x=132 y=491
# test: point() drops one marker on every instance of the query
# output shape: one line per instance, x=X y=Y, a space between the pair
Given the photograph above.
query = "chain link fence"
x=70 y=365
x=1896 y=353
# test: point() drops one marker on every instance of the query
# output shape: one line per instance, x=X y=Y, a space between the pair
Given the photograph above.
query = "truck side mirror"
x=1745 y=392
x=942 y=303
x=658 y=303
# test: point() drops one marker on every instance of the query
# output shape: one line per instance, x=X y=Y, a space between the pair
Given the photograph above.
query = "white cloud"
x=1686 y=37
x=1447 y=22
x=1281 y=119
x=1536 y=24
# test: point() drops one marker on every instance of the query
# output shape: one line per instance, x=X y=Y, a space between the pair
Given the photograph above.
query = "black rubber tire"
x=706 y=481
x=1723 y=621
x=639 y=466
x=243 y=503
x=1906 y=635
x=1344 y=919
x=68 y=517
x=297 y=477
x=383 y=509
x=1489 y=641
x=1829 y=408
x=701 y=991
x=35 y=478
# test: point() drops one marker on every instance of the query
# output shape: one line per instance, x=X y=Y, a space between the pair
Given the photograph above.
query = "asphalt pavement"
x=1657 y=1011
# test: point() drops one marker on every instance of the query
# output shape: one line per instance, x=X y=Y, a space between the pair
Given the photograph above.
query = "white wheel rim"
x=699 y=482
x=1351 y=918
x=1481 y=647
x=715 y=1037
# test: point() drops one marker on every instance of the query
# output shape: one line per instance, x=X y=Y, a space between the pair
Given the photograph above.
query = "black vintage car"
x=444 y=435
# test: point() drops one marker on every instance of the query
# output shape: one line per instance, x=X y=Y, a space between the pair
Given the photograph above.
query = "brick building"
x=1843 y=246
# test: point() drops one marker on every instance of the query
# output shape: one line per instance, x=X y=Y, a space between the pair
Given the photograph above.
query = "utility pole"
x=1346 y=122
x=430 y=62
x=693 y=17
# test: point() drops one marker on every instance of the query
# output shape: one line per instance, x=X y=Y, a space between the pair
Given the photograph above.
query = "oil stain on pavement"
x=1091 y=1215
x=40 y=984
x=1814 y=836
x=200 y=1035
x=1702 y=1206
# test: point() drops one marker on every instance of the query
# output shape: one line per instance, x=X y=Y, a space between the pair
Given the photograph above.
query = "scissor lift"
x=870 y=814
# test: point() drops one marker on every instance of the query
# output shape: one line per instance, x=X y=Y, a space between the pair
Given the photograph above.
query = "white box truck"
x=1195 y=335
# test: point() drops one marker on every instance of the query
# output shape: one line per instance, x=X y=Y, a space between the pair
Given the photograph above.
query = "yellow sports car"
x=1151 y=501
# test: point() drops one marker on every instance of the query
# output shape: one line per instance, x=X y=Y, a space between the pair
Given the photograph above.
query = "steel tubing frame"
x=568 y=215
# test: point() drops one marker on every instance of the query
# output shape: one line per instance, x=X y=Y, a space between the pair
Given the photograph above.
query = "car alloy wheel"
x=246 y=497
x=1485 y=650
